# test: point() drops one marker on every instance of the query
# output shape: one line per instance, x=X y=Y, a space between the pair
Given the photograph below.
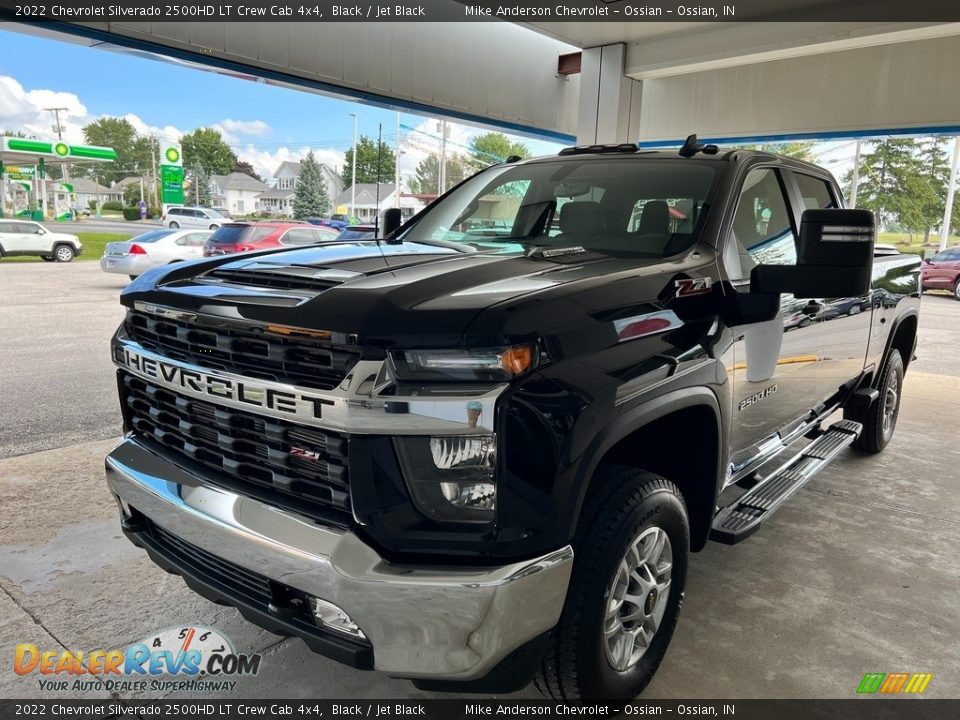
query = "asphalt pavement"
x=858 y=573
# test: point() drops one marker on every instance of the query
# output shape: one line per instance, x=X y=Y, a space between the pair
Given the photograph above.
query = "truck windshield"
x=617 y=206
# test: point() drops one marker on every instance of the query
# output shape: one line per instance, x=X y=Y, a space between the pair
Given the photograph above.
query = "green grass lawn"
x=904 y=245
x=93 y=244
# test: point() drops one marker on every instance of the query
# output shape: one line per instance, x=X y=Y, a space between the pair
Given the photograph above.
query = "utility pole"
x=951 y=187
x=58 y=129
x=396 y=171
x=154 y=149
x=353 y=170
x=855 y=177
x=442 y=127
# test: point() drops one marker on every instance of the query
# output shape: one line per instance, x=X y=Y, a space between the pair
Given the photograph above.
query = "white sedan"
x=152 y=249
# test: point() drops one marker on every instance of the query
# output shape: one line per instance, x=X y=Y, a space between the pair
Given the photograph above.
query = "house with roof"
x=369 y=202
x=237 y=193
x=278 y=198
x=86 y=191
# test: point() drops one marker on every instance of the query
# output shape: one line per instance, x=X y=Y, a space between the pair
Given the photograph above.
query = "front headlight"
x=489 y=364
x=451 y=478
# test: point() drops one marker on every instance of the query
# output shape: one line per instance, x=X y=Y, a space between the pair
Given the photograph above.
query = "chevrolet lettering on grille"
x=236 y=391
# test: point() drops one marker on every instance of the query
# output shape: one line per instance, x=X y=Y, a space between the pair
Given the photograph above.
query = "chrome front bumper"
x=441 y=623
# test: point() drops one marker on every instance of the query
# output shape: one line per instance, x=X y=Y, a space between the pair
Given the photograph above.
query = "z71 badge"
x=692 y=286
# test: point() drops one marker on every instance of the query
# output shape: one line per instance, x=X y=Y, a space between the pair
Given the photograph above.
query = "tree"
x=884 y=173
x=119 y=134
x=367 y=162
x=310 y=198
x=427 y=180
x=205 y=154
x=242 y=166
x=798 y=150
x=492 y=148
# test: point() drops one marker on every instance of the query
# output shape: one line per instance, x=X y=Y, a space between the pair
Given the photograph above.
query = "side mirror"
x=834 y=257
x=927 y=261
x=392 y=220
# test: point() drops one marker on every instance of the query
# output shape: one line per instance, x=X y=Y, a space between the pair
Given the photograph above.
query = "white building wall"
x=896 y=86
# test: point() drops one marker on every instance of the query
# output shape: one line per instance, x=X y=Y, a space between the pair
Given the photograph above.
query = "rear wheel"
x=881 y=419
x=174 y=226
x=63 y=253
x=625 y=594
x=47 y=258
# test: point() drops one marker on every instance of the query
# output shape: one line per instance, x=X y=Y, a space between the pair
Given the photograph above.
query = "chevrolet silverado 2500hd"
x=478 y=451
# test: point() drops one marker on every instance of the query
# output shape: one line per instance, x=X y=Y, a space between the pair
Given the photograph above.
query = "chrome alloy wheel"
x=889 y=406
x=637 y=598
x=64 y=254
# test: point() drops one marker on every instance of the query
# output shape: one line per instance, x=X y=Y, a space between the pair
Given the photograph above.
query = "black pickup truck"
x=478 y=451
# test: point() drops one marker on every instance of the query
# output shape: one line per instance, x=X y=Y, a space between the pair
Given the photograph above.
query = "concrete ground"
x=858 y=573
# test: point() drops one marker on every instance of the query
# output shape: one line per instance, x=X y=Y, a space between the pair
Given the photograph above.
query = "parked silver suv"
x=23 y=237
x=193 y=217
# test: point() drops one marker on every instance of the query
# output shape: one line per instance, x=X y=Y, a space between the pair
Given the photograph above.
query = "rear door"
x=10 y=239
x=843 y=323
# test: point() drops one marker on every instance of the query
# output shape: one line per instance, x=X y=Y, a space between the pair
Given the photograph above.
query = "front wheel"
x=956 y=289
x=626 y=590
x=63 y=253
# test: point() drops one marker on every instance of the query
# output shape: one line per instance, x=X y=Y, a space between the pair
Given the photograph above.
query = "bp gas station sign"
x=171 y=174
x=23 y=164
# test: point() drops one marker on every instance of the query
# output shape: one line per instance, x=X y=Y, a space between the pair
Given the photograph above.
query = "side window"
x=941 y=256
x=815 y=192
x=761 y=231
x=196 y=239
x=298 y=236
x=953 y=255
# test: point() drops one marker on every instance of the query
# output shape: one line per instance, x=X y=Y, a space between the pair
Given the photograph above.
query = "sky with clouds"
x=264 y=125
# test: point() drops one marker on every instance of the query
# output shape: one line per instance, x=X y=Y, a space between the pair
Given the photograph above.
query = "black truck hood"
x=384 y=293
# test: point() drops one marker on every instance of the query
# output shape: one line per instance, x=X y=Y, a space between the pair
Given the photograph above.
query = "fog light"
x=330 y=616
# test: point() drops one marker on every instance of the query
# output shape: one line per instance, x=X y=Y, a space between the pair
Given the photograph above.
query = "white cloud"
x=24 y=110
x=266 y=162
x=233 y=131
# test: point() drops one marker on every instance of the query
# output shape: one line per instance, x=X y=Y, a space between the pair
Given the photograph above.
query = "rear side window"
x=815 y=192
x=8 y=228
x=299 y=236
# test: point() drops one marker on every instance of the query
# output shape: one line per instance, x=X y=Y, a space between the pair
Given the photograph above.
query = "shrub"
x=92 y=205
x=154 y=213
x=112 y=205
x=131 y=213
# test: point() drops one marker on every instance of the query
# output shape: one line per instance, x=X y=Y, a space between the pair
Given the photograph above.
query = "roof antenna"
x=691 y=147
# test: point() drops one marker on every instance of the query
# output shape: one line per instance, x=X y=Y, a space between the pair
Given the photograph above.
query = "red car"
x=942 y=272
x=234 y=237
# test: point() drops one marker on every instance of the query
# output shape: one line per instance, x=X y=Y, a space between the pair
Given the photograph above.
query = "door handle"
x=811 y=308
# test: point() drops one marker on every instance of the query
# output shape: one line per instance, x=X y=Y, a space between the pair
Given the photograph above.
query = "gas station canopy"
x=23 y=151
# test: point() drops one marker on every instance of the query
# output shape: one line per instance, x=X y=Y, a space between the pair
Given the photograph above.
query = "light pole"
x=353 y=170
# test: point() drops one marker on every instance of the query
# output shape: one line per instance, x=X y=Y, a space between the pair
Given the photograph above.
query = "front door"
x=777 y=375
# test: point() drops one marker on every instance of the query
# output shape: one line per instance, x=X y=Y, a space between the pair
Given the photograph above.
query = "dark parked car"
x=942 y=272
x=245 y=236
x=358 y=232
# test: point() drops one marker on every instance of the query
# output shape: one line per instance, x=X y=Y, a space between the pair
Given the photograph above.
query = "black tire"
x=213 y=227
x=64 y=253
x=877 y=433
x=625 y=504
x=956 y=289
x=133 y=277
x=174 y=226
x=47 y=258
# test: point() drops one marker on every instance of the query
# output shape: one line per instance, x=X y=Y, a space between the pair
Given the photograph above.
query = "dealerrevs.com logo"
x=202 y=659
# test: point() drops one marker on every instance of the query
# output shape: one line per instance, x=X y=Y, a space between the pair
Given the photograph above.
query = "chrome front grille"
x=302 y=468
x=283 y=356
